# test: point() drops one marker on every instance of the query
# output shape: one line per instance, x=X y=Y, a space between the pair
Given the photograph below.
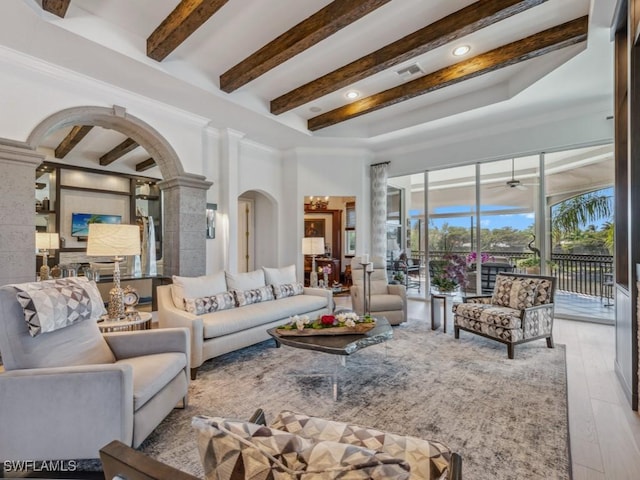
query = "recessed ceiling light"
x=351 y=94
x=461 y=50
x=315 y=109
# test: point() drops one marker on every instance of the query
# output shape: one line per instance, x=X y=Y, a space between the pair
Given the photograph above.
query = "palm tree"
x=578 y=211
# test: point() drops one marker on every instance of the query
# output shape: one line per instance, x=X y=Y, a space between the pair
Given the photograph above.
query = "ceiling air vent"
x=409 y=71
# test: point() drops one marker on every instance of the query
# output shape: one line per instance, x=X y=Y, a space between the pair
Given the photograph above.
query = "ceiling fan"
x=513 y=183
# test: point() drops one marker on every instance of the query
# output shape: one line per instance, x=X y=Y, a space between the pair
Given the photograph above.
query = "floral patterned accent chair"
x=520 y=310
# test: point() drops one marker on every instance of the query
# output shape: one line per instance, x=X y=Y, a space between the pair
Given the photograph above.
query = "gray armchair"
x=389 y=301
x=67 y=392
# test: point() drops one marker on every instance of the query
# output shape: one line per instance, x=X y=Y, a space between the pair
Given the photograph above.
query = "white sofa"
x=225 y=312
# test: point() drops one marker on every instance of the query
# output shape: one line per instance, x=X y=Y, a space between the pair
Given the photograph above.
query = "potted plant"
x=449 y=273
x=529 y=264
x=398 y=278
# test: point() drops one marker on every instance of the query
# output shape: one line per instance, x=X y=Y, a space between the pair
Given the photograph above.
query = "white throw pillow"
x=197 y=287
x=245 y=281
x=280 y=276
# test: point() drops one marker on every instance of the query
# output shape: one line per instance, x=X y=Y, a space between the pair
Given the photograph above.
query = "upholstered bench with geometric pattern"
x=299 y=446
x=520 y=310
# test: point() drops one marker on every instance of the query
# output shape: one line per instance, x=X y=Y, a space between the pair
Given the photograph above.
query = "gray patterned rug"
x=507 y=418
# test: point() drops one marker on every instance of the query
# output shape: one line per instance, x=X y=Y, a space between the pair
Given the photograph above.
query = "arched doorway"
x=185 y=247
x=118 y=119
x=257 y=239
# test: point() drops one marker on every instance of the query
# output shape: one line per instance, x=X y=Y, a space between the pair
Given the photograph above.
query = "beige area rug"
x=507 y=418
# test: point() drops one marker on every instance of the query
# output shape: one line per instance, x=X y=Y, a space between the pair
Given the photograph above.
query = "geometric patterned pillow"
x=256 y=295
x=502 y=291
x=54 y=304
x=287 y=290
x=214 y=303
x=523 y=293
x=427 y=459
x=519 y=292
x=543 y=294
x=232 y=449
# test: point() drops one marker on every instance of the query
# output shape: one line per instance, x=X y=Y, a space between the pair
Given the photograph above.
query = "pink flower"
x=484 y=257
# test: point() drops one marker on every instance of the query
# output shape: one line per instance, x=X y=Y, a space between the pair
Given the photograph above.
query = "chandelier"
x=317 y=203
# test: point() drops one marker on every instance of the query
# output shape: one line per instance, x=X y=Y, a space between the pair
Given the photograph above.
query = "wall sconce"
x=211 y=220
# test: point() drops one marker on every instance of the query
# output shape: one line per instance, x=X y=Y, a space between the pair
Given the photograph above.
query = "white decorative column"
x=379 y=176
x=230 y=142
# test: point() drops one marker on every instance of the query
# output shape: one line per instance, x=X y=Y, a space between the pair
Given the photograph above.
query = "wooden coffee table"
x=341 y=345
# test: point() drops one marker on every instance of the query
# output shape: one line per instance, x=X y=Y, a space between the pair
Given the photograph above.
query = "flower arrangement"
x=449 y=273
x=484 y=257
x=326 y=269
x=344 y=319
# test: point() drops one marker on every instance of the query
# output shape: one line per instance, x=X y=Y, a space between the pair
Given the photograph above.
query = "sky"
x=517 y=221
x=521 y=221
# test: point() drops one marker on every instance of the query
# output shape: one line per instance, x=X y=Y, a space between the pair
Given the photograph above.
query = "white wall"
x=35 y=90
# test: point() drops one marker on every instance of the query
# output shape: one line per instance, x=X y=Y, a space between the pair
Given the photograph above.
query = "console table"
x=334 y=263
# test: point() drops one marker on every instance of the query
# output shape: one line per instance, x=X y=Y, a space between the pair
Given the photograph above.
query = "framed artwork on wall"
x=314 y=227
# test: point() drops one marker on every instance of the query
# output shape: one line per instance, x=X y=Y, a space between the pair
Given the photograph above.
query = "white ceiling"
x=109 y=42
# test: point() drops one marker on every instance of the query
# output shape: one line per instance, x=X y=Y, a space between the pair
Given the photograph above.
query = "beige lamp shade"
x=313 y=246
x=114 y=240
x=47 y=241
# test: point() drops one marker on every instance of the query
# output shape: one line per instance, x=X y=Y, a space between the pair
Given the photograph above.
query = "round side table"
x=143 y=322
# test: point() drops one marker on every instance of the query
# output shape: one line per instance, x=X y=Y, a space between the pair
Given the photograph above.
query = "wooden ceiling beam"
x=72 y=139
x=185 y=19
x=122 y=149
x=145 y=165
x=322 y=24
x=57 y=7
x=530 y=47
x=459 y=24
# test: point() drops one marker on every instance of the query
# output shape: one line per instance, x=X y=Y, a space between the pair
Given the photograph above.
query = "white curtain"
x=379 y=175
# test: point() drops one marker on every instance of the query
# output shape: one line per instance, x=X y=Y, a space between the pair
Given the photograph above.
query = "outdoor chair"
x=520 y=310
x=488 y=273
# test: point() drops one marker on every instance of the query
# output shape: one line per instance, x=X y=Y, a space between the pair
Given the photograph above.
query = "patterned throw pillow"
x=427 y=459
x=54 y=304
x=288 y=290
x=213 y=303
x=502 y=291
x=231 y=449
x=543 y=294
x=515 y=292
x=256 y=295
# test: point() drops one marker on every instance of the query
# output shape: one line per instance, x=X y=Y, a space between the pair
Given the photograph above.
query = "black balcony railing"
x=583 y=274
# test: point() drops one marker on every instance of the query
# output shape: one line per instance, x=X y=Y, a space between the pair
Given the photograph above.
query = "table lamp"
x=118 y=241
x=313 y=246
x=46 y=241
